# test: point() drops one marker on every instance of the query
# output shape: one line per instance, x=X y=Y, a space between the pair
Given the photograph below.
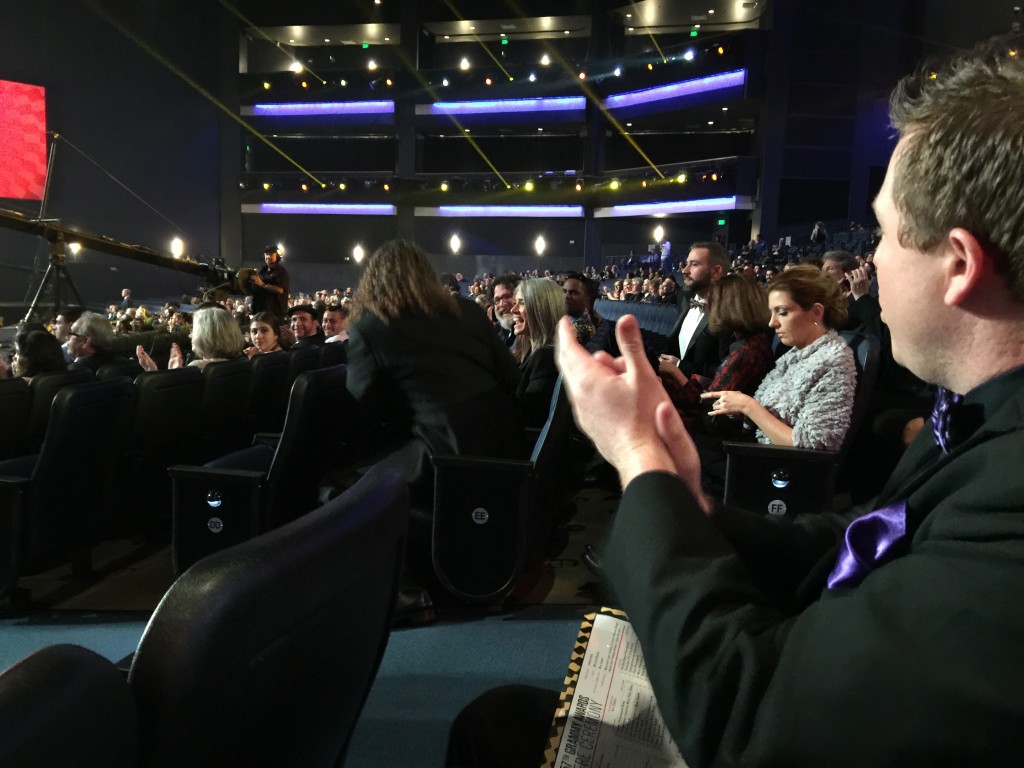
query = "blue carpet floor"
x=427 y=676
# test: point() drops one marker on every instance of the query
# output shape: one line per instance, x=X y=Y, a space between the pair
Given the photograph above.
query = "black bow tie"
x=697 y=303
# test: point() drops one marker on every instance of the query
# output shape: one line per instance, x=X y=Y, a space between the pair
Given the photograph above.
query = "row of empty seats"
x=101 y=468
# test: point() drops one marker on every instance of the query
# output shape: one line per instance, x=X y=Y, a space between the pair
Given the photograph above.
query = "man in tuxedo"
x=691 y=346
x=889 y=636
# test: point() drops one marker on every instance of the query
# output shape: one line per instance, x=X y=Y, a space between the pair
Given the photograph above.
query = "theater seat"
x=784 y=482
x=15 y=404
x=241 y=494
x=222 y=426
x=123 y=367
x=164 y=424
x=44 y=389
x=491 y=515
x=53 y=507
x=268 y=392
x=263 y=654
x=66 y=706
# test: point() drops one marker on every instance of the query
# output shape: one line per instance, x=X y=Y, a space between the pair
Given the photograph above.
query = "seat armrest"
x=480 y=524
x=779 y=480
x=519 y=466
x=212 y=509
x=779 y=452
x=196 y=472
x=14 y=483
x=270 y=439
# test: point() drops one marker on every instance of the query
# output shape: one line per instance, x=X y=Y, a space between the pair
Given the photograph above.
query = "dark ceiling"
x=312 y=23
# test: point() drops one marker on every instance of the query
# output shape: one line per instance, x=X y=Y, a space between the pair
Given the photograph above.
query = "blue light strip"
x=325 y=108
x=328 y=209
x=505 y=211
x=555 y=104
x=676 y=206
x=677 y=90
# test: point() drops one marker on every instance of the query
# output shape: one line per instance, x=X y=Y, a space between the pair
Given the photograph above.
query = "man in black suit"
x=126 y=299
x=305 y=324
x=793 y=644
x=692 y=348
x=91 y=342
x=890 y=636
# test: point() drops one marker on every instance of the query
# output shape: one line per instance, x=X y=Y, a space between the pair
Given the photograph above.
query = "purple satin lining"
x=941 y=413
x=868 y=539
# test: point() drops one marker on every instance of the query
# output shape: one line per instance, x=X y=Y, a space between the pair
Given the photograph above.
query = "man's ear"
x=968 y=267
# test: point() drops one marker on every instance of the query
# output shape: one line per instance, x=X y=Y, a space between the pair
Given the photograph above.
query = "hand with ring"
x=728 y=403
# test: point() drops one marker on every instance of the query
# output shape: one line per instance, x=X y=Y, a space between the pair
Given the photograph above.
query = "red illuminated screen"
x=22 y=140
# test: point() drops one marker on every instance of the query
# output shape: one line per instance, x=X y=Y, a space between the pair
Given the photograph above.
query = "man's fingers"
x=681 y=448
x=707 y=395
x=631 y=343
x=616 y=364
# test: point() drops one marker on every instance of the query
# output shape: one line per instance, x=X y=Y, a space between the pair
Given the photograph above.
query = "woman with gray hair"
x=539 y=304
x=215 y=338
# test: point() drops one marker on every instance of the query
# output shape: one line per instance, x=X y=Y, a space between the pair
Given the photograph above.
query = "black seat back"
x=65 y=705
x=264 y=653
x=319 y=416
x=866 y=351
x=268 y=391
x=163 y=427
x=302 y=359
x=67 y=504
x=222 y=426
x=123 y=367
x=44 y=389
x=334 y=353
x=15 y=406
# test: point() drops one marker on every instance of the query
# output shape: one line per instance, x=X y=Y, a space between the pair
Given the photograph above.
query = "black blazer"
x=920 y=663
x=446 y=381
x=536 y=383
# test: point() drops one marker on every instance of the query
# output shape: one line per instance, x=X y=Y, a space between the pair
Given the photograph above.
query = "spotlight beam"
x=412 y=69
x=592 y=98
x=636 y=12
x=253 y=28
x=476 y=39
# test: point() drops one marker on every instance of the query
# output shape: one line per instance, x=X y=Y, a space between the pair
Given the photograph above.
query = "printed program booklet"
x=607 y=716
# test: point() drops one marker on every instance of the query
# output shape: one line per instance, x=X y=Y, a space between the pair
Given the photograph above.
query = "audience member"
x=692 y=347
x=215 y=338
x=305 y=324
x=738 y=308
x=807 y=399
x=91 y=342
x=37 y=352
x=62 y=329
x=433 y=361
x=539 y=303
x=504 y=288
x=265 y=334
x=335 y=323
